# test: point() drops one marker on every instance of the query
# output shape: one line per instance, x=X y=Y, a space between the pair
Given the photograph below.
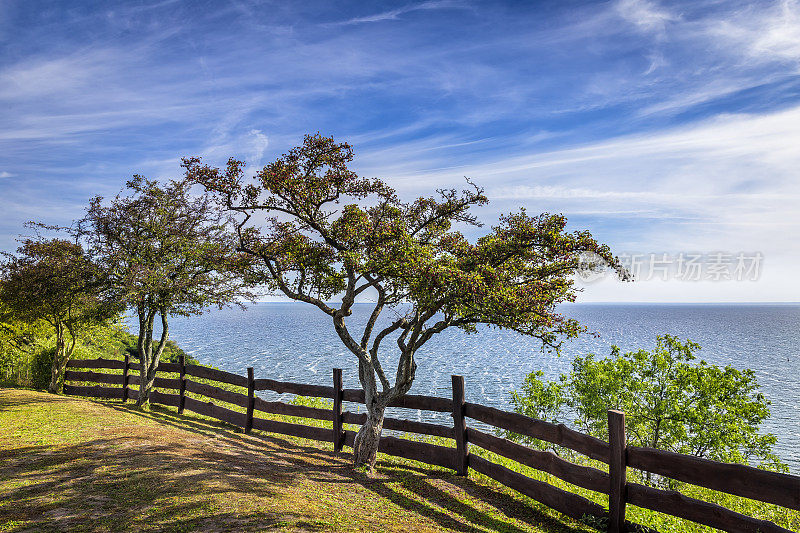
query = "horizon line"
x=610 y=302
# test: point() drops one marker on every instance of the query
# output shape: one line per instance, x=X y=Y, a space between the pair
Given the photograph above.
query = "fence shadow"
x=414 y=488
x=739 y=480
x=107 y=482
x=432 y=494
x=226 y=434
x=9 y=400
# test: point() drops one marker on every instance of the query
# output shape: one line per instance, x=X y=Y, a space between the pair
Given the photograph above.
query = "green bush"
x=41 y=367
x=670 y=402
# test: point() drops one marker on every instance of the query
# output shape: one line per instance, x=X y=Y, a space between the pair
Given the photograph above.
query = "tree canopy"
x=55 y=281
x=669 y=402
x=165 y=253
x=318 y=230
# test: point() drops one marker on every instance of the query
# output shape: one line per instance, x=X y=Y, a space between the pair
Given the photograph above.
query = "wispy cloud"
x=763 y=34
x=646 y=16
x=393 y=14
x=736 y=174
x=640 y=118
x=258 y=144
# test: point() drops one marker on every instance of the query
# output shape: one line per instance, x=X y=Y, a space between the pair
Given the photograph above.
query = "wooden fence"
x=740 y=480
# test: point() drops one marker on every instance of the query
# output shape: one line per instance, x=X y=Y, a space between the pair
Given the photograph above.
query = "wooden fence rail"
x=740 y=480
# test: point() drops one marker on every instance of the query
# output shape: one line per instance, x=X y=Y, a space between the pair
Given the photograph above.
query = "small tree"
x=669 y=402
x=166 y=253
x=22 y=347
x=55 y=281
x=327 y=231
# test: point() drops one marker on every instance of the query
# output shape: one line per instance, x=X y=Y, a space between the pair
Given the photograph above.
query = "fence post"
x=182 y=400
x=251 y=399
x=338 y=396
x=460 y=426
x=616 y=469
x=125 y=371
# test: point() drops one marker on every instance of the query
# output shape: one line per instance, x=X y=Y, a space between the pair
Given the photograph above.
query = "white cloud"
x=525 y=192
x=5 y=174
x=393 y=14
x=729 y=183
x=647 y=16
x=763 y=34
x=258 y=143
x=716 y=148
x=657 y=61
x=424 y=109
x=707 y=53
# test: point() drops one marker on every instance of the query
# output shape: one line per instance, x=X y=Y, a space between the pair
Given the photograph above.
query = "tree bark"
x=60 y=366
x=148 y=358
x=365 y=446
x=57 y=356
x=146 y=380
x=144 y=348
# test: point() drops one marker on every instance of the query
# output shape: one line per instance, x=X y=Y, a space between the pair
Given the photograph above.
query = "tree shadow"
x=233 y=436
x=106 y=483
x=434 y=491
x=113 y=483
x=510 y=506
x=9 y=400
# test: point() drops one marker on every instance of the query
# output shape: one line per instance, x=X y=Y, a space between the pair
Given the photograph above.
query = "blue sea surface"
x=296 y=342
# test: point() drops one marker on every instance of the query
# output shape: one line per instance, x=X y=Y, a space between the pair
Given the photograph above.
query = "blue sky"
x=663 y=127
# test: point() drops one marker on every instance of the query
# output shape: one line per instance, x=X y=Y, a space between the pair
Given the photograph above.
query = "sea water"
x=296 y=342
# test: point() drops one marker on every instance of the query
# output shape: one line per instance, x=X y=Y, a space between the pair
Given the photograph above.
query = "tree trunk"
x=59 y=372
x=55 y=373
x=149 y=358
x=365 y=446
x=146 y=380
x=144 y=348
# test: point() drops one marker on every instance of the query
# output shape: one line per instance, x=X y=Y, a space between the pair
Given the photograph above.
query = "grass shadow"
x=431 y=494
x=107 y=482
x=9 y=402
x=184 y=472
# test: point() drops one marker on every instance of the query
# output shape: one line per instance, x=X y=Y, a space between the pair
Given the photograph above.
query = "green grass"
x=70 y=464
x=399 y=488
x=663 y=523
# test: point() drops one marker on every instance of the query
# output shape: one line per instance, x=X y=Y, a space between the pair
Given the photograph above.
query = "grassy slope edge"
x=82 y=465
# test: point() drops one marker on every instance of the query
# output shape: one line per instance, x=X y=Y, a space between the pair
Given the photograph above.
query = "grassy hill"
x=69 y=464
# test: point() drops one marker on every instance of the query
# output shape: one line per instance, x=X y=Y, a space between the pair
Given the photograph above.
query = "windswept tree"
x=55 y=281
x=166 y=253
x=319 y=230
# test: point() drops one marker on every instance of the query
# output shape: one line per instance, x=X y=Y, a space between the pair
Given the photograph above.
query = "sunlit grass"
x=70 y=464
x=784 y=517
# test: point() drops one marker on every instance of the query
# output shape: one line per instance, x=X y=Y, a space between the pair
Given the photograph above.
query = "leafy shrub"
x=41 y=367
